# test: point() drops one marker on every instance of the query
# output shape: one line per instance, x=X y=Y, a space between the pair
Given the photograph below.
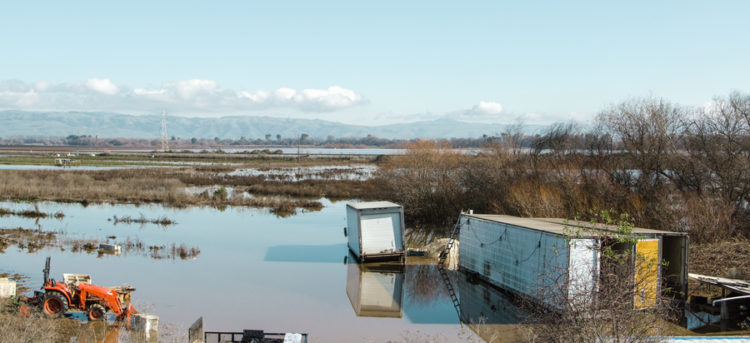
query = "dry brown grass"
x=34 y=329
x=718 y=258
x=37 y=328
x=90 y=187
x=128 y=186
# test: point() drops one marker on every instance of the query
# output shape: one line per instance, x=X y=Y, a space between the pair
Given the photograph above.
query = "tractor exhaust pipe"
x=46 y=270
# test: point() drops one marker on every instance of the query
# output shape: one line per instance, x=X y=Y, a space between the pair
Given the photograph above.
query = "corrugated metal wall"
x=522 y=260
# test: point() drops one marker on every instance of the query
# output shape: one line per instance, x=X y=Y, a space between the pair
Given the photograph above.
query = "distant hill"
x=60 y=124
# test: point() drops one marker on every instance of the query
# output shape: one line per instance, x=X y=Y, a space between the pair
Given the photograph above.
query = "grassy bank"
x=161 y=186
x=116 y=159
x=39 y=329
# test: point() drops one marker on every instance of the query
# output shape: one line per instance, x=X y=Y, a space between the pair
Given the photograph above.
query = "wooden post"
x=195 y=333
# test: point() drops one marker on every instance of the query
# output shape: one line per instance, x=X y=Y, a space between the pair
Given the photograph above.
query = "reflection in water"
x=489 y=313
x=306 y=253
x=483 y=304
x=375 y=290
x=426 y=299
x=695 y=320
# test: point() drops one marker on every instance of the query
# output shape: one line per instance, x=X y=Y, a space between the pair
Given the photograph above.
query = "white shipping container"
x=375 y=230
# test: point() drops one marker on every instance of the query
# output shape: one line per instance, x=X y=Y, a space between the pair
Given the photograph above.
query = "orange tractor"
x=59 y=297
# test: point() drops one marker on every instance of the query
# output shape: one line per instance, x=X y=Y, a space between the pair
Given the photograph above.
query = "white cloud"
x=192 y=97
x=487 y=108
x=20 y=99
x=284 y=94
x=483 y=112
x=257 y=97
x=17 y=93
x=104 y=86
x=490 y=112
x=41 y=86
x=333 y=97
x=319 y=100
x=188 y=89
x=149 y=92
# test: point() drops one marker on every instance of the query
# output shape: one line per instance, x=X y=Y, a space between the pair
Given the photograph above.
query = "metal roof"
x=372 y=205
x=562 y=226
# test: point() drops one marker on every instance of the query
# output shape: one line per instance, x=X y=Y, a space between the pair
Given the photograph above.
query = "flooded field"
x=255 y=270
x=354 y=172
x=295 y=150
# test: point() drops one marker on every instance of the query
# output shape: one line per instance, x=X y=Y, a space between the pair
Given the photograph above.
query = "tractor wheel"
x=96 y=312
x=55 y=304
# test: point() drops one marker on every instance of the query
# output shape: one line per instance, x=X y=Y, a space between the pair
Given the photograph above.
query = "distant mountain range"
x=61 y=124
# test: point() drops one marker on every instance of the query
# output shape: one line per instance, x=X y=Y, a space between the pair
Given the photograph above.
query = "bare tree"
x=647 y=128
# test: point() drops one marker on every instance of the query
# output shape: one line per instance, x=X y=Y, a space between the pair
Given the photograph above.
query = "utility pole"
x=164 y=137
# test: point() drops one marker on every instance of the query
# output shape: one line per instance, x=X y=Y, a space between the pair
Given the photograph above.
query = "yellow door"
x=646 y=273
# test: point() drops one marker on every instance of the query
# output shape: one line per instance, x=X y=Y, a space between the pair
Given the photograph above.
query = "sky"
x=370 y=62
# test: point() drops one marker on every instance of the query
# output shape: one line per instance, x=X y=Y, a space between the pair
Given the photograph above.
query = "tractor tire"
x=54 y=305
x=96 y=312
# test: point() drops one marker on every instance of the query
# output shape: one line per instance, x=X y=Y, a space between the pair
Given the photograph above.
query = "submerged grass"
x=331 y=189
x=33 y=240
x=29 y=239
x=163 y=221
x=36 y=213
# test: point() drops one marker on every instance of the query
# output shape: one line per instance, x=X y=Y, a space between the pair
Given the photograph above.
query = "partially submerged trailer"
x=375 y=230
x=546 y=258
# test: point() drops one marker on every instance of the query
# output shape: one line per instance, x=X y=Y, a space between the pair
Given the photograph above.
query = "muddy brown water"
x=258 y=271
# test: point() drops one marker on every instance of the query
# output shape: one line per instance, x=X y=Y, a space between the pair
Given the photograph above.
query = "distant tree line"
x=268 y=140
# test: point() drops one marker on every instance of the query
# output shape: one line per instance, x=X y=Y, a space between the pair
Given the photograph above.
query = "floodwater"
x=259 y=271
